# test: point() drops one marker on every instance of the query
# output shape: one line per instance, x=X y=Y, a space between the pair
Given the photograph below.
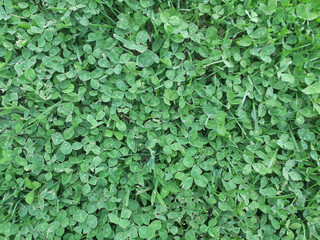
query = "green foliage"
x=145 y=119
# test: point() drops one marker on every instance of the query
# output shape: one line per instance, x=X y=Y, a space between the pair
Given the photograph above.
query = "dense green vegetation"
x=181 y=119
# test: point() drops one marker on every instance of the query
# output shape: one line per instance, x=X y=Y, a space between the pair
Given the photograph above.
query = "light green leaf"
x=201 y=181
x=113 y=218
x=57 y=138
x=295 y=176
x=145 y=232
x=121 y=126
x=267 y=50
x=245 y=42
x=80 y=216
x=287 y=78
x=124 y=223
x=178 y=38
x=29 y=197
x=268 y=192
x=145 y=59
x=312 y=89
x=126 y=213
x=188 y=162
x=39 y=21
x=66 y=148
x=305 y=12
x=30 y=74
x=260 y=168
x=92 y=221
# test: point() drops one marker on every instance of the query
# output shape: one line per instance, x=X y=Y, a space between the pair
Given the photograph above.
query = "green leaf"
x=188 y=162
x=295 y=176
x=156 y=225
x=124 y=223
x=224 y=206
x=287 y=78
x=308 y=112
x=187 y=183
x=196 y=171
x=57 y=138
x=66 y=148
x=295 y=226
x=178 y=38
x=30 y=74
x=113 y=218
x=145 y=232
x=190 y=235
x=86 y=189
x=267 y=50
x=29 y=197
x=121 y=126
x=312 y=89
x=268 y=192
x=39 y=21
x=201 y=181
x=245 y=42
x=94 y=84
x=84 y=75
x=31 y=185
x=171 y=95
x=92 y=120
x=174 y=20
x=145 y=59
x=305 y=12
x=164 y=17
x=141 y=37
x=92 y=221
x=260 y=168
x=87 y=48
x=126 y=213
x=80 y=216
x=259 y=33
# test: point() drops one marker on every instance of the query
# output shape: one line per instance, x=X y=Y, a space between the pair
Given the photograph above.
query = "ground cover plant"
x=180 y=119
